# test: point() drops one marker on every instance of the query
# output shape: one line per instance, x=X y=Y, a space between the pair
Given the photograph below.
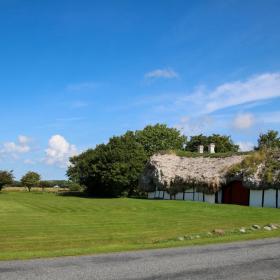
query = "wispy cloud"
x=211 y=110
x=166 y=73
x=256 y=88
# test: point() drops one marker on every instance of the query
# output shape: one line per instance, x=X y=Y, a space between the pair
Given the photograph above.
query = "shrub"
x=30 y=179
x=74 y=187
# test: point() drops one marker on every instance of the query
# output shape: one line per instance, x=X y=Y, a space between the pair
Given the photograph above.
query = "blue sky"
x=74 y=73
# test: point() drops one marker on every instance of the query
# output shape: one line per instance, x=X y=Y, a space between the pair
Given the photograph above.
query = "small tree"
x=6 y=178
x=269 y=140
x=30 y=180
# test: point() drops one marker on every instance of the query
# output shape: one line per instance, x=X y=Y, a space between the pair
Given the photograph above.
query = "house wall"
x=198 y=196
x=256 y=198
x=264 y=198
x=166 y=196
x=156 y=194
x=179 y=196
x=269 y=198
x=210 y=198
x=189 y=195
x=151 y=195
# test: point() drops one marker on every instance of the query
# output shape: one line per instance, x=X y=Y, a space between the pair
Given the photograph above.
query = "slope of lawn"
x=44 y=224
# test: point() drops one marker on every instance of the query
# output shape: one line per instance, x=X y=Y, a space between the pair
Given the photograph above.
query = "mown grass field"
x=45 y=224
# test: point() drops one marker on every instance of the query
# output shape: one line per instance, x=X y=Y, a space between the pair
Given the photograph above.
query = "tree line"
x=33 y=180
x=113 y=169
x=29 y=180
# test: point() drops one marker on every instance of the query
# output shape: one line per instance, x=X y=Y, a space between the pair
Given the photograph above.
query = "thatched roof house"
x=173 y=173
x=208 y=174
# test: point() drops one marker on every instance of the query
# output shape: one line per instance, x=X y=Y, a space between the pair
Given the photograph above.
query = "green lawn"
x=44 y=224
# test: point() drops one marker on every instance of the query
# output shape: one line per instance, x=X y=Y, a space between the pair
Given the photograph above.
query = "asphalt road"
x=243 y=260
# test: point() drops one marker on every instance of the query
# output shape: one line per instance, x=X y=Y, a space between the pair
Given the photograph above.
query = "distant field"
x=40 y=224
x=23 y=189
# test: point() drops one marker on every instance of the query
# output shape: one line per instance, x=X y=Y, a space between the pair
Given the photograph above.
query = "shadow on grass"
x=82 y=195
x=87 y=195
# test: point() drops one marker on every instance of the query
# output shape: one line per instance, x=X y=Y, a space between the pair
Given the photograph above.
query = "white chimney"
x=200 y=149
x=211 y=148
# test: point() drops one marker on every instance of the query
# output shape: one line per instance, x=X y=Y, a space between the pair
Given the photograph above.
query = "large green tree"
x=111 y=169
x=30 y=180
x=223 y=143
x=159 y=137
x=269 y=140
x=6 y=178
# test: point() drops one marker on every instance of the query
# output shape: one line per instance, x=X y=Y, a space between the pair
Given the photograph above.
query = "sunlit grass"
x=40 y=224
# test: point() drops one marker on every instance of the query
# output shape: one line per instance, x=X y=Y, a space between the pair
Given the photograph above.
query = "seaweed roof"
x=176 y=173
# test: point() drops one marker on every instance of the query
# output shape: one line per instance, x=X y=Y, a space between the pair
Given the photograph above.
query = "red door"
x=235 y=193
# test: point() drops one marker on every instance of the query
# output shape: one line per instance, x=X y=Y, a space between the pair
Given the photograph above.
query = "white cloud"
x=243 y=121
x=245 y=146
x=14 y=148
x=167 y=73
x=59 y=151
x=256 y=88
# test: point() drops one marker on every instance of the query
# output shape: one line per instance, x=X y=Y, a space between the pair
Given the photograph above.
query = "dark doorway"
x=235 y=193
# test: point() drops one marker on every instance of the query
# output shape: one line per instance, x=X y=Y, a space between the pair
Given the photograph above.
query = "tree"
x=30 y=180
x=112 y=169
x=269 y=140
x=159 y=137
x=6 y=178
x=195 y=141
x=223 y=143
